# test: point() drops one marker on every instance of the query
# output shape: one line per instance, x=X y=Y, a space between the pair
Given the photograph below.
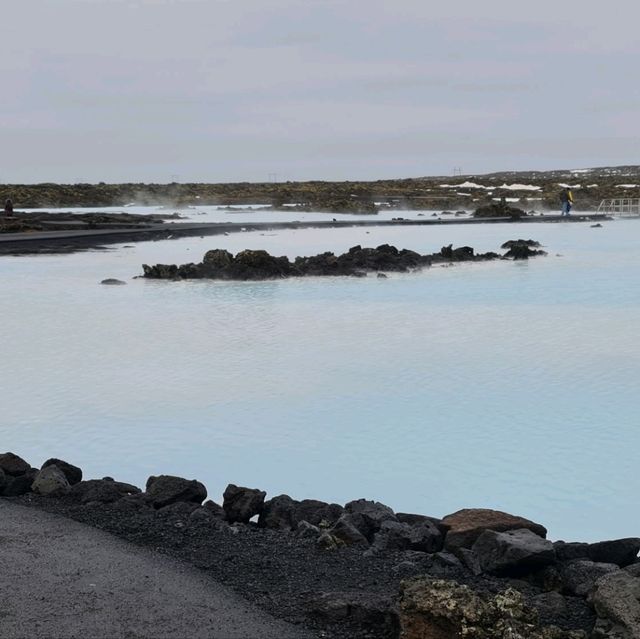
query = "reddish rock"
x=465 y=526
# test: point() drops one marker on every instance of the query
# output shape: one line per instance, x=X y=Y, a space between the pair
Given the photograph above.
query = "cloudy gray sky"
x=235 y=90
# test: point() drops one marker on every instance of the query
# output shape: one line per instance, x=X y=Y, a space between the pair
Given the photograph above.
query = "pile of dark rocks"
x=499 y=209
x=361 y=569
x=357 y=262
x=522 y=249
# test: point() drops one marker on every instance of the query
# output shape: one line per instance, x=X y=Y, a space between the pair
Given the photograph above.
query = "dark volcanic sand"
x=279 y=572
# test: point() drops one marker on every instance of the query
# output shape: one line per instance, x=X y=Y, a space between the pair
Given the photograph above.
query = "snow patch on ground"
x=506 y=187
x=464 y=185
x=520 y=187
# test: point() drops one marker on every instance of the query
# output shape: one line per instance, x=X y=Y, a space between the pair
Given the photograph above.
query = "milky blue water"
x=505 y=385
x=252 y=213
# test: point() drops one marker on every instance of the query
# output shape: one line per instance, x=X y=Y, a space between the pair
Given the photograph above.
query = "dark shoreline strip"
x=71 y=241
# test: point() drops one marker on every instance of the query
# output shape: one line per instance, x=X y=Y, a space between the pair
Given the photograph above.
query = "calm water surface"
x=505 y=385
x=252 y=213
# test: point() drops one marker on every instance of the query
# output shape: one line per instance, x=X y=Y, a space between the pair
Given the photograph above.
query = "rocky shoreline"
x=219 y=264
x=21 y=222
x=360 y=569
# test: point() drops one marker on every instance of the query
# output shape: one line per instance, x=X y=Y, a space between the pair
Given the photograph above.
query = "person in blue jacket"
x=566 y=201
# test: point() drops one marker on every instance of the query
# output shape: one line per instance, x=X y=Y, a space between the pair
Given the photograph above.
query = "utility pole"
x=457 y=170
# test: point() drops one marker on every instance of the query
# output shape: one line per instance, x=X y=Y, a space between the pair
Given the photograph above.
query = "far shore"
x=530 y=188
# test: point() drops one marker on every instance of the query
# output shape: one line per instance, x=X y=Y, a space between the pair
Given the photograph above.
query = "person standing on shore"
x=8 y=207
x=566 y=201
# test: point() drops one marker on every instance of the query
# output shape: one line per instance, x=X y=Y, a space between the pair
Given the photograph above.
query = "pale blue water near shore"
x=252 y=213
x=505 y=385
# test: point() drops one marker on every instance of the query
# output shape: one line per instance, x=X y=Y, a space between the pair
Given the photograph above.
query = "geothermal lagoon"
x=506 y=385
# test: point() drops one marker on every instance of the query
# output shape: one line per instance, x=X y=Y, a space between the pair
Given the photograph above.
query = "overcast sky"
x=255 y=90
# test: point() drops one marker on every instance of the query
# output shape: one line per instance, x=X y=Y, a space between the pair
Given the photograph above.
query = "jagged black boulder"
x=71 y=472
x=13 y=465
x=511 y=243
x=105 y=491
x=522 y=249
x=241 y=504
x=164 y=490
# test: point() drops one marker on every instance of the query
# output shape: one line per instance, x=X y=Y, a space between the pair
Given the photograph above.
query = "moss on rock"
x=440 y=609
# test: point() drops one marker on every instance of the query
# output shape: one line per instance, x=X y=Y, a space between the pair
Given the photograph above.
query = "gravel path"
x=66 y=580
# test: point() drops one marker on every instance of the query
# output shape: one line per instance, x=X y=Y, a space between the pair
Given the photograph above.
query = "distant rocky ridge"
x=430 y=192
x=357 y=261
x=360 y=569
